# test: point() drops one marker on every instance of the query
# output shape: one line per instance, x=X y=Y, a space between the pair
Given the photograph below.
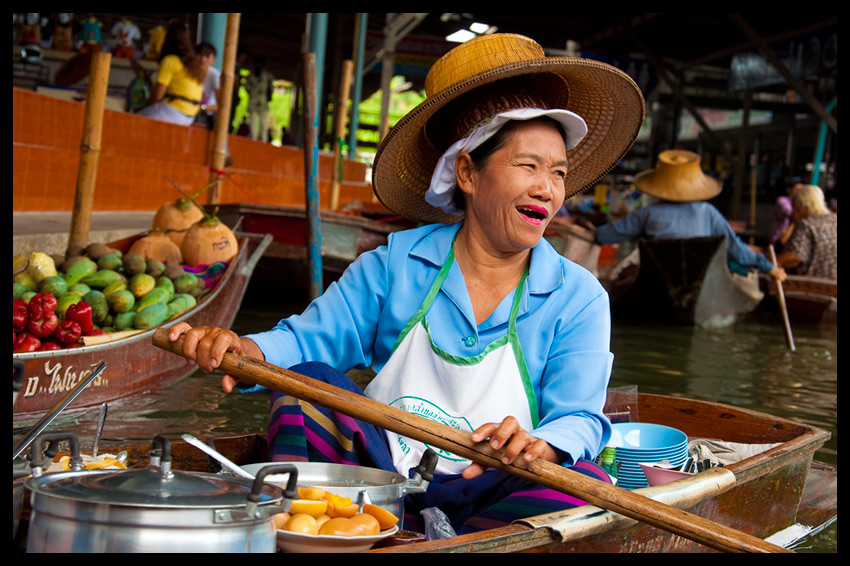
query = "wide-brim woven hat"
x=678 y=177
x=606 y=98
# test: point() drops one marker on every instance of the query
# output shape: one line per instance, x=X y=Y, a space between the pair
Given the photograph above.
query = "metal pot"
x=154 y=509
x=363 y=485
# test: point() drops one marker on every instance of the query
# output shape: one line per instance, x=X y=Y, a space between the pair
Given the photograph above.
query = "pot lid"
x=151 y=488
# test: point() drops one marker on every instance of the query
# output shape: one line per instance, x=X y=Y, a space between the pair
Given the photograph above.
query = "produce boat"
x=133 y=365
x=775 y=489
x=684 y=281
x=810 y=300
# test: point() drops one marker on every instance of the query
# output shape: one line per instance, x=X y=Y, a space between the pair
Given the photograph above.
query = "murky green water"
x=746 y=365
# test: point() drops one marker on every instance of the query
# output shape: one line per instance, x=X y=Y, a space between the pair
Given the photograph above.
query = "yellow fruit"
x=302 y=523
x=311 y=507
x=341 y=527
x=386 y=519
x=280 y=520
x=340 y=506
x=321 y=519
x=311 y=493
x=370 y=524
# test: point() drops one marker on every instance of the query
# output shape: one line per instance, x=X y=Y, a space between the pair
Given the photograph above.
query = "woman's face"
x=512 y=198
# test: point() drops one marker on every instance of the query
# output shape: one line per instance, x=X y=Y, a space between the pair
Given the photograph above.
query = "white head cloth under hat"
x=444 y=181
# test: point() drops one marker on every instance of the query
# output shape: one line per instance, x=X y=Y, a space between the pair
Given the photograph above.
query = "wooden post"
x=339 y=136
x=89 y=150
x=222 y=123
x=311 y=174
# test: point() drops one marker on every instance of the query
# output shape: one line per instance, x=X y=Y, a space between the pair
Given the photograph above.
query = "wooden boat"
x=774 y=490
x=133 y=365
x=684 y=281
x=809 y=300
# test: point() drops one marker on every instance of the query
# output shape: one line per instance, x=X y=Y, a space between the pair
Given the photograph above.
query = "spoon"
x=215 y=454
x=100 y=420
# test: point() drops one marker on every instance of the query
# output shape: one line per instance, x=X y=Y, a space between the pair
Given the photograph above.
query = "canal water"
x=746 y=365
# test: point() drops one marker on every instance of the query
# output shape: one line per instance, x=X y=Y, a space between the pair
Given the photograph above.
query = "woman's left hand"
x=513 y=441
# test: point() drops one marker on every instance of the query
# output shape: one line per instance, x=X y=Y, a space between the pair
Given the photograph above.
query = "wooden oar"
x=780 y=294
x=682 y=523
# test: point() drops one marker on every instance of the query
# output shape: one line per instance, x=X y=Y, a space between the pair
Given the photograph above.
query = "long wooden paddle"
x=780 y=294
x=601 y=494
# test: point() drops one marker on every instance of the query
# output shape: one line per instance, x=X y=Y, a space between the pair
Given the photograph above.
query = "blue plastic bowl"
x=646 y=438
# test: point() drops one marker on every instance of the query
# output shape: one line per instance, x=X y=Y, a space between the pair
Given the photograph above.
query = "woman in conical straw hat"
x=681 y=211
x=471 y=319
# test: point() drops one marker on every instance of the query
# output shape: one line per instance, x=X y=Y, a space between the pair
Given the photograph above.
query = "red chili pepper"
x=69 y=331
x=42 y=322
x=20 y=315
x=46 y=301
x=81 y=313
x=26 y=342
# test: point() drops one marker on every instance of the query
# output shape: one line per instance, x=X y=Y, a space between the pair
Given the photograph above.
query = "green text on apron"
x=461 y=392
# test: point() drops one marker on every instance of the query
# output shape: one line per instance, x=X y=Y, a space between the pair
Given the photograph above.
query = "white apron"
x=461 y=392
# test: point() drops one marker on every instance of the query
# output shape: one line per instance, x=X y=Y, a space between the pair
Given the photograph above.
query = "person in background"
x=260 y=85
x=176 y=93
x=681 y=211
x=473 y=313
x=780 y=225
x=212 y=92
x=812 y=248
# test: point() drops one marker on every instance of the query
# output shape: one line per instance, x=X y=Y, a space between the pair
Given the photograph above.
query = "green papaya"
x=54 y=284
x=181 y=303
x=124 y=320
x=157 y=295
x=121 y=301
x=150 y=316
x=100 y=279
x=99 y=307
x=140 y=284
x=65 y=300
x=110 y=261
x=81 y=268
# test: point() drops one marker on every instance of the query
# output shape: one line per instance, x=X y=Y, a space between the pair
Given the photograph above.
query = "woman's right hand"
x=206 y=345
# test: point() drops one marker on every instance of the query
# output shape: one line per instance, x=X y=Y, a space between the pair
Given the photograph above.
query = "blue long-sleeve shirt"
x=682 y=220
x=563 y=325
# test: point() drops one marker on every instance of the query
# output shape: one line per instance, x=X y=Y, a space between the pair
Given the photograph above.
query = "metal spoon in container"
x=203 y=447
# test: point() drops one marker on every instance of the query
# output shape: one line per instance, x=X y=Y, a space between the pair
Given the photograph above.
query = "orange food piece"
x=280 y=520
x=320 y=520
x=386 y=519
x=371 y=526
x=311 y=493
x=302 y=523
x=311 y=507
x=339 y=506
x=341 y=527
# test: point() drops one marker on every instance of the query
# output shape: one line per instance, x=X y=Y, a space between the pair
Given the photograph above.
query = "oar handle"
x=545 y=473
x=780 y=294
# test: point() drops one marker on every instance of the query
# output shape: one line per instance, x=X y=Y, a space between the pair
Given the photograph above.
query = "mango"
x=181 y=303
x=65 y=300
x=121 y=301
x=79 y=269
x=18 y=289
x=140 y=284
x=163 y=281
x=134 y=263
x=124 y=320
x=156 y=296
x=55 y=285
x=186 y=282
x=114 y=286
x=99 y=307
x=110 y=261
x=151 y=316
x=100 y=279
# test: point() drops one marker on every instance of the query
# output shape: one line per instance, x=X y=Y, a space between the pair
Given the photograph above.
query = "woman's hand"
x=513 y=441
x=206 y=345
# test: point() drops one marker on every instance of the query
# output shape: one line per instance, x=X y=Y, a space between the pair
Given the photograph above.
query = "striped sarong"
x=303 y=432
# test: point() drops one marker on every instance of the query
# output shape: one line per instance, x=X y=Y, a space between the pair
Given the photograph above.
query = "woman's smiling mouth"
x=533 y=214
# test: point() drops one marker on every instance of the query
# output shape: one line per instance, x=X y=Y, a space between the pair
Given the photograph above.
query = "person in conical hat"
x=682 y=190
x=471 y=319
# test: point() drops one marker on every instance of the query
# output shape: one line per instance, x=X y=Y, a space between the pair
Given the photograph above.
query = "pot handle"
x=427 y=465
x=160 y=454
x=47 y=445
x=291 y=490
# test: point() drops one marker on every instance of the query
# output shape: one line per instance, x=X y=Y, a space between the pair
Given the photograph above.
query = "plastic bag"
x=437 y=525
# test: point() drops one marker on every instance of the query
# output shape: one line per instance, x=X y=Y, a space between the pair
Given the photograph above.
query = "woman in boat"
x=812 y=248
x=681 y=211
x=176 y=94
x=472 y=319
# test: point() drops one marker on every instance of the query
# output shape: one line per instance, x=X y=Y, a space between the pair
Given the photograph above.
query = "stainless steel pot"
x=155 y=509
x=362 y=484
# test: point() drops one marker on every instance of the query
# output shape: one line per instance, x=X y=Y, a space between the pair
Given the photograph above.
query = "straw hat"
x=678 y=178
x=508 y=67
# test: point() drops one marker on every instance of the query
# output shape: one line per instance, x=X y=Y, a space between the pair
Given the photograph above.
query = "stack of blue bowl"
x=647 y=443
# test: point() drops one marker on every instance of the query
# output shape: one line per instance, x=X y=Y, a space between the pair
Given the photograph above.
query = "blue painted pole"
x=359 y=49
x=821 y=145
x=213 y=28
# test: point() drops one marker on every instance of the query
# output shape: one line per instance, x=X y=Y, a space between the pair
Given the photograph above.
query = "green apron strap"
x=518 y=354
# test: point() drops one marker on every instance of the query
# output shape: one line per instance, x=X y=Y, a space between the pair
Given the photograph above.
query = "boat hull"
x=133 y=364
